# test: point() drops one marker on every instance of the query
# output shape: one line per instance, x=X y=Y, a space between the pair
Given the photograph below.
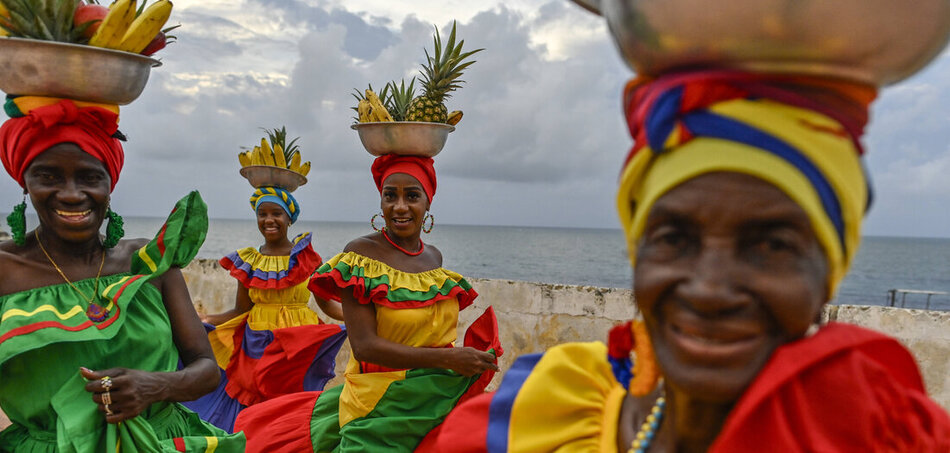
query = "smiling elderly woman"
x=92 y=330
x=742 y=202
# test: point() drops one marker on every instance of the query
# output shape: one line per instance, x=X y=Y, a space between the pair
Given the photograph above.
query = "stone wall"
x=535 y=316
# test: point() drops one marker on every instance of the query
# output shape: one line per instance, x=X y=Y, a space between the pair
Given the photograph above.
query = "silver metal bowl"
x=268 y=176
x=411 y=138
x=878 y=42
x=74 y=71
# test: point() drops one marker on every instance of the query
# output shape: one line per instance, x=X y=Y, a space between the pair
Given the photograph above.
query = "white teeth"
x=73 y=214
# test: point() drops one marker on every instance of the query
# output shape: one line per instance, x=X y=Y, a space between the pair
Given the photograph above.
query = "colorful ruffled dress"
x=378 y=408
x=45 y=336
x=844 y=389
x=278 y=347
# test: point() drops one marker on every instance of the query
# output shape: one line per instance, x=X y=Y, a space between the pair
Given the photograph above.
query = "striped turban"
x=799 y=134
x=279 y=196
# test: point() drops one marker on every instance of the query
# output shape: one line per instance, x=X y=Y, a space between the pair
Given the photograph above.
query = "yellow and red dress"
x=843 y=389
x=280 y=346
x=379 y=408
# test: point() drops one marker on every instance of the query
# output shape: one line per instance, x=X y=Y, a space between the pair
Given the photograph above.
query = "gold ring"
x=108 y=411
x=107 y=398
x=106 y=383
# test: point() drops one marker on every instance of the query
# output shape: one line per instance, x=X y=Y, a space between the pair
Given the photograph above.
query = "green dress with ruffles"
x=46 y=335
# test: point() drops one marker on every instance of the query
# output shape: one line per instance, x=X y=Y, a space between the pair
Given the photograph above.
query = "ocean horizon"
x=593 y=256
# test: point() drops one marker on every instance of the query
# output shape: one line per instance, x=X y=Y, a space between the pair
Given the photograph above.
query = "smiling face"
x=272 y=221
x=70 y=191
x=727 y=270
x=404 y=205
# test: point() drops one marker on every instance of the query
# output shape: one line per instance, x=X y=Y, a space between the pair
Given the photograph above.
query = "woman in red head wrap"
x=401 y=311
x=93 y=331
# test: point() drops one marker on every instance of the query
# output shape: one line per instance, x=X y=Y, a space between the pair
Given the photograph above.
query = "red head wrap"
x=418 y=167
x=90 y=128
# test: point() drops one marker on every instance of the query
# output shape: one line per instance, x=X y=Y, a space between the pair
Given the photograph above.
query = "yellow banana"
x=454 y=118
x=256 y=156
x=243 y=159
x=279 y=159
x=295 y=163
x=379 y=110
x=145 y=27
x=304 y=169
x=267 y=154
x=114 y=25
x=364 y=109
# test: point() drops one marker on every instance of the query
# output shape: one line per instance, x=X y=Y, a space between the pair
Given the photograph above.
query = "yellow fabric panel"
x=434 y=326
x=361 y=392
x=222 y=341
x=415 y=281
x=574 y=387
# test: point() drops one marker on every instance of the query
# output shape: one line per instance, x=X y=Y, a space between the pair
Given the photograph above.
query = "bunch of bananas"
x=275 y=155
x=371 y=109
x=131 y=29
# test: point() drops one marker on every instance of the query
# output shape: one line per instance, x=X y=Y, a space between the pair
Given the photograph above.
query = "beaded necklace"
x=94 y=311
x=648 y=429
x=422 y=246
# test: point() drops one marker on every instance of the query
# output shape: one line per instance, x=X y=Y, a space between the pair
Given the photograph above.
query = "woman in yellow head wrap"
x=742 y=203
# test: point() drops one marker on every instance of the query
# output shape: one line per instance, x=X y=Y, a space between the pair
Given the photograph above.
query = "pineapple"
x=399 y=98
x=49 y=20
x=440 y=76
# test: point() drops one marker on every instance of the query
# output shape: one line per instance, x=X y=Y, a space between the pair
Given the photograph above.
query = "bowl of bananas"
x=74 y=71
x=275 y=163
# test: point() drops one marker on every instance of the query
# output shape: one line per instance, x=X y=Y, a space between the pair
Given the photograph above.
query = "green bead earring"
x=114 y=230
x=17 y=222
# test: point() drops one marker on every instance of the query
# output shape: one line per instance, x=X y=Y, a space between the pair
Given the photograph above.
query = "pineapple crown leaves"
x=441 y=72
x=400 y=98
x=49 y=20
x=278 y=137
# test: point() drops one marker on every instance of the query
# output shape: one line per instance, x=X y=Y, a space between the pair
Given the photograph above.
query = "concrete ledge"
x=535 y=316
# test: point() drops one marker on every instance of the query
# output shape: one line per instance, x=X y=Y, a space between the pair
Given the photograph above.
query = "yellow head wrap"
x=686 y=126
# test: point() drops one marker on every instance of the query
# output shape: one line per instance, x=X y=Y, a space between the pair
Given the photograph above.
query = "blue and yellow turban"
x=279 y=196
x=798 y=134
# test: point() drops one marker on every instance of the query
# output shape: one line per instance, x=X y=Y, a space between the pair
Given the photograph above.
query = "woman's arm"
x=133 y=391
x=330 y=308
x=242 y=304
x=369 y=347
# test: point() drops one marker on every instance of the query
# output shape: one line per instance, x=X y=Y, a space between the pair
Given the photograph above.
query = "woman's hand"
x=126 y=393
x=470 y=361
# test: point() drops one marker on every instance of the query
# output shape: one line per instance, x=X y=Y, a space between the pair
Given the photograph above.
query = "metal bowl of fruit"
x=74 y=71
x=269 y=176
x=878 y=42
x=410 y=138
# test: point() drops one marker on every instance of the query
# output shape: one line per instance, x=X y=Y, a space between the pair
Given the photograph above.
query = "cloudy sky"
x=542 y=137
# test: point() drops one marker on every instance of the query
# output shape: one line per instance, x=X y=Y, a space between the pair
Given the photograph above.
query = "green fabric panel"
x=409 y=409
x=185 y=231
x=325 y=422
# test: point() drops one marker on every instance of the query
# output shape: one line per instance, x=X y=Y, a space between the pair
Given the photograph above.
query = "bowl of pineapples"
x=61 y=48
x=396 y=121
x=274 y=163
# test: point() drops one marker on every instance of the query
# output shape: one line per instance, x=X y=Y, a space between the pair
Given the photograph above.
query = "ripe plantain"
x=454 y=118
x=378 y=109
x=267 y=154
x=279 y=159
x=244 y=159
x=145 y=27
x=365 y=111
x=304 y=169
x=256 y=158
x=113 y=27
x=295 y=163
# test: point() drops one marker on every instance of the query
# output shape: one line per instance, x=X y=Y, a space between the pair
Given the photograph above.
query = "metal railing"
x=893 y=293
